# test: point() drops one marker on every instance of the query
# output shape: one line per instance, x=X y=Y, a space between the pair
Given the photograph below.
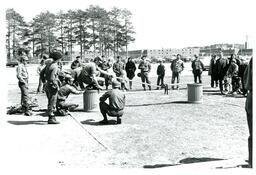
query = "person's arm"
x=134 y=67
x=104 y=97
x=182 y=66
x=73 y=90
x=158 y=70
x=149 y=67
x=172 y=65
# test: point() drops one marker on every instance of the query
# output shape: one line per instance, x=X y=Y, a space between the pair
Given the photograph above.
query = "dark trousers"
x=62 y=104
x=214 y=81
x=105 y=109
x=223 y=82
x=248 y=108
x=175 y=75
x=197 y=74
x=24 y=95
x=160 y=80
x=51 y=94
x=40 y=85
x=144 y=78
x=236 y=85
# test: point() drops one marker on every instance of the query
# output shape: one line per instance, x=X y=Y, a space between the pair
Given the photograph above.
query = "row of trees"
x=93 y=30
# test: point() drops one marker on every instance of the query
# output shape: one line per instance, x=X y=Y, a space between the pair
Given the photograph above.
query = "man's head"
x=56 y=55
x=221 y=54
x=213 y=56
x=196 y=57
x=118 y=58
x=23 y=59
x=143 y=58
x=97 y=60
x=178 y=56
x=115 y=84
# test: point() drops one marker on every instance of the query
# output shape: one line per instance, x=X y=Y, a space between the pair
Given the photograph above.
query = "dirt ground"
x=157 y=129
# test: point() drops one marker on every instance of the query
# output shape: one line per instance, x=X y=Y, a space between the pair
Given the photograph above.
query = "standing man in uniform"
x=145 y=68
x=116 y=105
x=118 y=68
x=197 y=67
x=105 y=65
x=177 y=67
x=22 y=75
x=50 y=74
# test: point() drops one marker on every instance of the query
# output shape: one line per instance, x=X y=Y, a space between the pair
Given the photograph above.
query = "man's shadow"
x=31 y=122
x=97 y=123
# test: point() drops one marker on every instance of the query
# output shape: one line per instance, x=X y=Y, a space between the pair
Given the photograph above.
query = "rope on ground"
x=105 y=147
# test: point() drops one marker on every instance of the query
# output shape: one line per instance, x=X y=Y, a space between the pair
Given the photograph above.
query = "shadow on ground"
x=31 y=122
x=155 y=104
x=184 y=161
x=96 y=123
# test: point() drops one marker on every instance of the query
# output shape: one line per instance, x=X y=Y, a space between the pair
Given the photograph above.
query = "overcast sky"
x=167 y=23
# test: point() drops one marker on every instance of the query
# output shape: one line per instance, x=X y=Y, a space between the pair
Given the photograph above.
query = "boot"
x=52 y=120
x=118 y=121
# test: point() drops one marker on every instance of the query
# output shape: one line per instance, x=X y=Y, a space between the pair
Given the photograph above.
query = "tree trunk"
x=9 y=42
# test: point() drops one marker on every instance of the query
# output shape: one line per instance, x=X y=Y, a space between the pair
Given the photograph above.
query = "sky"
x=167 y=23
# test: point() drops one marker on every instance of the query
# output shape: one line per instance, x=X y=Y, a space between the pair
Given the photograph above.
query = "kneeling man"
x=115 y=108
x=62 y=106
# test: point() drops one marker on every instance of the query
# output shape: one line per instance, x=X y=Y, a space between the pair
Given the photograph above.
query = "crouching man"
x=115 y=108
x=62 y=106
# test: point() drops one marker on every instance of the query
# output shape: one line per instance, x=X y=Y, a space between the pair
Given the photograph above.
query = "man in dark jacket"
x=116 y=104
x=161 y=73
x=197 y=67
x=213 y=71
x=222 y=67
x=177 y=66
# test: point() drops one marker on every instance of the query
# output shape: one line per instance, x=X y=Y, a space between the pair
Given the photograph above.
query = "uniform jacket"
x=145 y=66
x=160 y=70
x=197 y=65
x=177 y=65
x=65 y=90
x=118 y=67
x=22 y=73
x=116 y=99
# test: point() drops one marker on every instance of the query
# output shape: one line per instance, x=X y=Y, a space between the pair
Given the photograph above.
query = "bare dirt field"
x=157 y=129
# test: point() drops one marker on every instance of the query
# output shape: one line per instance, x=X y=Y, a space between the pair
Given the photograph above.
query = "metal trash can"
x=91 y=100
x=195 y=93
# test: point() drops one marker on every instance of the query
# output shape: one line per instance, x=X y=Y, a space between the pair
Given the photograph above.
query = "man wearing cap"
x=89 y=74
x=145 y=68
x=22 y=75
x=177 y=67
x=116 y=104
x=63 y=93
x=233 y=74
x=50 y=74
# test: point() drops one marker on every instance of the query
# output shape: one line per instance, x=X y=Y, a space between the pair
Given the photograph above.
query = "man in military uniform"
x=222 y=67
x=50 y=74
x=145 y=68
x=105 y=65
x=116 y=105
x=177 y=67
x=22 y=75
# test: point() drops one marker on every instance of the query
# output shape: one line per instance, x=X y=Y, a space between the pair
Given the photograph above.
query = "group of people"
x=228 y=73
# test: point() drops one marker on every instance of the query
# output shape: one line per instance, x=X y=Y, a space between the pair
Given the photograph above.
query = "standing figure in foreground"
x=130 y=70
x=50 y=74
x=235 y=79
x=197 y=68
x=177 y=67
x=22 y=75
x=116 y=105
x=248 y=107
x=160 y=73
x=145 y=68
x=213 y=71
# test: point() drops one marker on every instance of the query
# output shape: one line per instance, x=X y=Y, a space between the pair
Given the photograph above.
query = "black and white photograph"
x=158 y=86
